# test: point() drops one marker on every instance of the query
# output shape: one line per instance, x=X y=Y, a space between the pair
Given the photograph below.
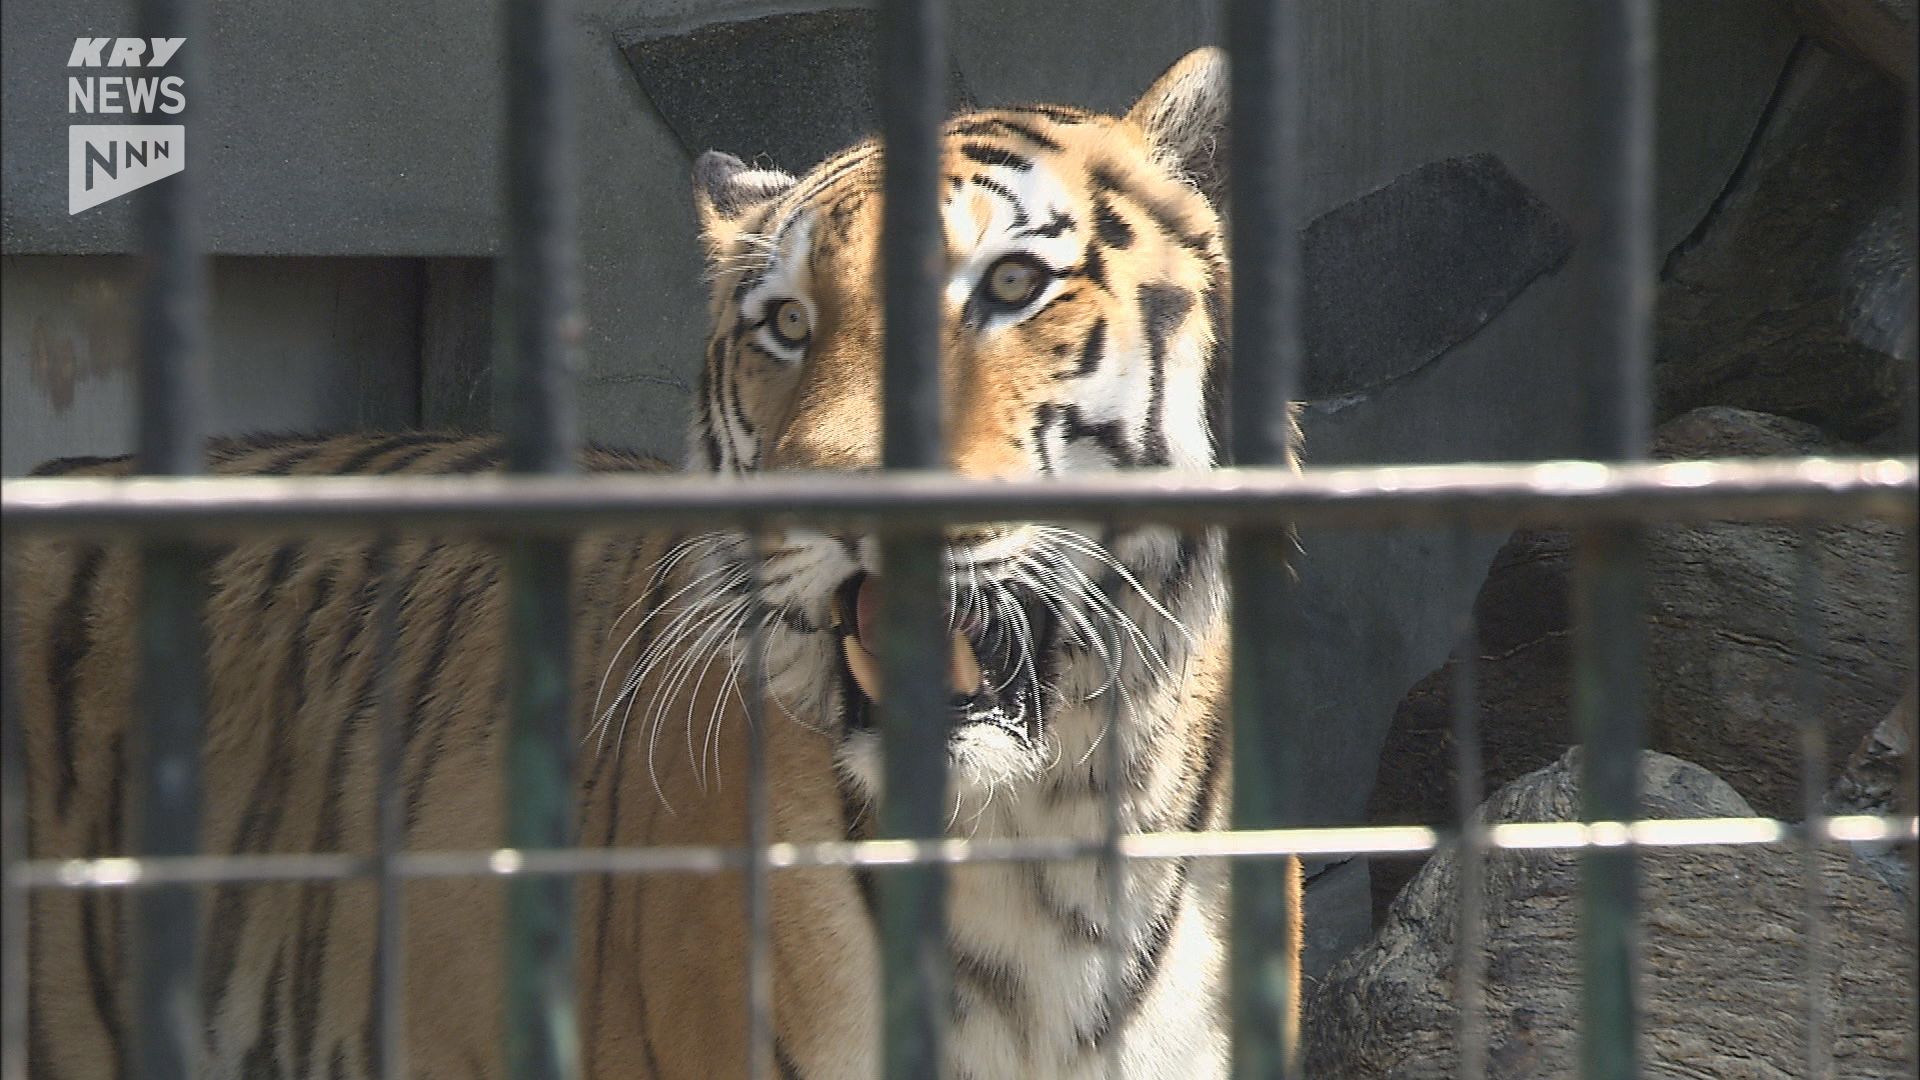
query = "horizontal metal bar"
x=1566 y=492
x=120 y=873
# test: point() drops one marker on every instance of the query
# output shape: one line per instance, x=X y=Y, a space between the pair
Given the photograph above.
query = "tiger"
x=1084 y=331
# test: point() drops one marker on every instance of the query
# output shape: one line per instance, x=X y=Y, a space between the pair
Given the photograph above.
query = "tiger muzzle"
x=994 y=663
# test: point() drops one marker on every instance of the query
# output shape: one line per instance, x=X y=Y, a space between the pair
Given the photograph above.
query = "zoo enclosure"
x=1608 y=498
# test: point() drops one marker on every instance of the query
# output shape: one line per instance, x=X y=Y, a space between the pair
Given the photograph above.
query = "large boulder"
x=1795 y=296
x=1721 y=648
x=1722 y=964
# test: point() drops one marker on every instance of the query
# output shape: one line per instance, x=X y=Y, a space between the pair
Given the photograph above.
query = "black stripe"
x=402 y=462
x=1165 y=217
x=484 y=458
x=828 y=173
x=70 y=645
x=1094 y=267
x=1091 y=351
x=65 y=465
x=1162 y=308
x=266 y=808
x=1112 y=229
x=988 y=183
x=360 y=607
x=792 y=618
x=1213 y=766
x=279 y=568
x=1059 y=114
x=704 y=417
x=1059 y=222
x=603 y=920
x=997 y=985
x=730 y=394
x=1074 y=426
x=431 y=675
x=285 y=463
x=1192 y=551
x=781 y=1060
x=995 y=156
x=366 y=455
x=992 y=126
x=262 y=1059
x=1074 y=923
x=1219 y=361
x=315 y=933
x=1148 y=958
x=100 y=983
x=234 y=446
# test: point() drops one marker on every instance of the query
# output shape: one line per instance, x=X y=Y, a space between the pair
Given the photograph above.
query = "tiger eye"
x=1014 y=281
x=790 y=323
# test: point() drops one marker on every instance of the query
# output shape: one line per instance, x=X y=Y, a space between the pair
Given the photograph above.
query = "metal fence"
x=1607 y=499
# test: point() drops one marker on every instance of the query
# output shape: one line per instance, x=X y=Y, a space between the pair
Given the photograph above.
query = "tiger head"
x=1085 y=292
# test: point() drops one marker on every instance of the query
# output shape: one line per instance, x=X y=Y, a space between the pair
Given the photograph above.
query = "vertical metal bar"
x=1910 y=444
x=1609 y=692
x=543 y=328
x=390 y=1040
x=1616 y=218
x=13 y=851
x=1470 y=962
x=757 y=883
x=1809 y=706
x=171 y=416
x=1615 y=215
x=913 y=721
x=1267 y=357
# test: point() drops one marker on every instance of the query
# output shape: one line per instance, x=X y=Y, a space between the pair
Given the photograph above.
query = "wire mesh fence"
x=1610 y=498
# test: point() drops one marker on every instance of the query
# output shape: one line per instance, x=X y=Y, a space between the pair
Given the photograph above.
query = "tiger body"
x=1081 y=334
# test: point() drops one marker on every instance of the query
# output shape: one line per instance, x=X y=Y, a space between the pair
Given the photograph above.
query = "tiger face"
x=1084 y=292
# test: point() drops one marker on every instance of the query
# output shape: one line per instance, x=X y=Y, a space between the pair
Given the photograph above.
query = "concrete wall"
x=297 y=344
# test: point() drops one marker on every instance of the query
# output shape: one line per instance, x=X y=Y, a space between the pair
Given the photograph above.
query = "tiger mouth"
x=995 y=667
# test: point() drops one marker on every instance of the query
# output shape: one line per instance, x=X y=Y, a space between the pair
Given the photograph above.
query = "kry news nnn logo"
x=105 y=161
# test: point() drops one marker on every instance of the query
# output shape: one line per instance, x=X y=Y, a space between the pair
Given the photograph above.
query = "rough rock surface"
x=1877 y=31
x=1721 y=648
x=1878 y=778
x=1722 y=968
x=1875 y=777
x=1795 y=295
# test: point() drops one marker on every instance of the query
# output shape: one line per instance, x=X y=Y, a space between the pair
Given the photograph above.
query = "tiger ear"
x=725 y=189
x=1184 y=116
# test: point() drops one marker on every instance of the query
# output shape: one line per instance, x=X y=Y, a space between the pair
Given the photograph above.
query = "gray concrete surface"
x=297 y=344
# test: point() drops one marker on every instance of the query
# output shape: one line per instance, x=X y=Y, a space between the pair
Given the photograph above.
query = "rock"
x=1875 y=777
x=1877 y=31
x=1878 y=779
x=1722 y=969
x=1795 y=296
x=1720 y=648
